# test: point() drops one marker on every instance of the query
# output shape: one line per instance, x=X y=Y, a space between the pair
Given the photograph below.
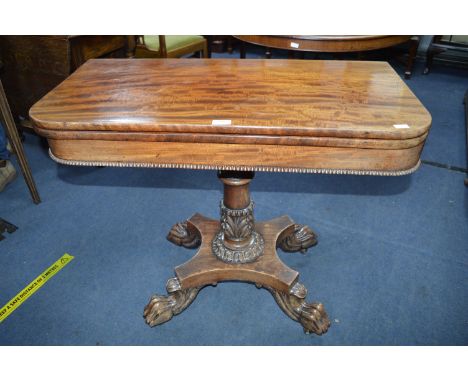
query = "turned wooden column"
x=236 y=188
x=237 y=241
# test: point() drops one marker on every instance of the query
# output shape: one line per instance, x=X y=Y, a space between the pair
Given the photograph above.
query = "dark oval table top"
x=326 y=43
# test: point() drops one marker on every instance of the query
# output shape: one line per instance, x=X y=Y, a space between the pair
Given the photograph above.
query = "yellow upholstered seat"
x=172 y=42
x=170 y=46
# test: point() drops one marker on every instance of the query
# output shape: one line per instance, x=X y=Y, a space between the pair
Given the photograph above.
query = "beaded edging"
x=236 y=168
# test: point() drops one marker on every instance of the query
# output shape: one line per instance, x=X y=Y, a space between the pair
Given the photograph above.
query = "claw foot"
x=300 y=240
x=311 y=316
x=160 y=309
x=182 y=234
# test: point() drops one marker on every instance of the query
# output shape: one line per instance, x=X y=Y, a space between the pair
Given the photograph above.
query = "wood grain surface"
x=267 y=270
x=286 y=113
x=326 y=43
x=256 y=157
x=274 y=97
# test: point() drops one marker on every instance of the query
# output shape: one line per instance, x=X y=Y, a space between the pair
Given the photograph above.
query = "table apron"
x=237 y=156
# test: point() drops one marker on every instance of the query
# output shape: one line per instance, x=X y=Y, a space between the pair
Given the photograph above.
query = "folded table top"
x=228 y=104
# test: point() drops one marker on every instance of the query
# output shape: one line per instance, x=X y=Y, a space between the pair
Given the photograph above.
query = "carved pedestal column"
x=237 y=241
x=238 y=248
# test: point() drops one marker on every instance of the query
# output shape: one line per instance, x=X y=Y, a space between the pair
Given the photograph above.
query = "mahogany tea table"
x=237 y=117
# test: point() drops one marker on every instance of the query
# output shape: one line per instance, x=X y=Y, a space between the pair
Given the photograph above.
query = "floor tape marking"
x=33 y=287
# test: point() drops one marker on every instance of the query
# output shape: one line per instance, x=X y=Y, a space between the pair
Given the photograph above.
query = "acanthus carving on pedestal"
x=238 y=256
x=238 y=229
x=237 y=224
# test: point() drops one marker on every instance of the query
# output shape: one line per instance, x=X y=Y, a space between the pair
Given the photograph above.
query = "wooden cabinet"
x=34 y=65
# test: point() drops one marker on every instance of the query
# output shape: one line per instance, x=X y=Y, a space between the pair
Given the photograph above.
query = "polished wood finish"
x=283 y=113
x=266 y=271
x=233 y=138
x=412 y=51
x=12 y=133
x=205 y=269
x=323 y=43
x=255 y=156
x=269 y=97
x=237 y=241
x=236 y=190
x=332 y=44
x=36 y=64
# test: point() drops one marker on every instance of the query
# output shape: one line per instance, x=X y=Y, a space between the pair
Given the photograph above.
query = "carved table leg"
x=182 y=234
x=311 y=316
x=299 y=241
x=160 y=309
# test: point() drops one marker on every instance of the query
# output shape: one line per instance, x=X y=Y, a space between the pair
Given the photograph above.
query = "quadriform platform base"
x=237 y=117
x=238 y=248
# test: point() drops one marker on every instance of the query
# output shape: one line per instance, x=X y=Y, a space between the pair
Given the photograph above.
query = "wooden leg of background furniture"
x=160 y=309
x=413 y=49
x=242 y=50
x=311 y=316
x=185 y=235
x=298 y=241
x=15 y=140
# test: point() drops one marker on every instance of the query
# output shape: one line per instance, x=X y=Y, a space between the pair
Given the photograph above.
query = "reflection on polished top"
x=343 y=99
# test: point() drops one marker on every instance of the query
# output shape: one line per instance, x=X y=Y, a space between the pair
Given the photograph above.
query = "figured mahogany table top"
x=207 y=107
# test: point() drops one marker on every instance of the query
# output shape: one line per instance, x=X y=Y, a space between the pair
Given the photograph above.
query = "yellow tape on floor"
x=32 y=288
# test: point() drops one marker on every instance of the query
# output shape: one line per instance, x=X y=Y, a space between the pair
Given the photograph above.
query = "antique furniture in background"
x=456 y=48
x=12 y=134
x=36 y=64
x=220 y=43
x=160 y=46
x=332 y=44
x=236 y=116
